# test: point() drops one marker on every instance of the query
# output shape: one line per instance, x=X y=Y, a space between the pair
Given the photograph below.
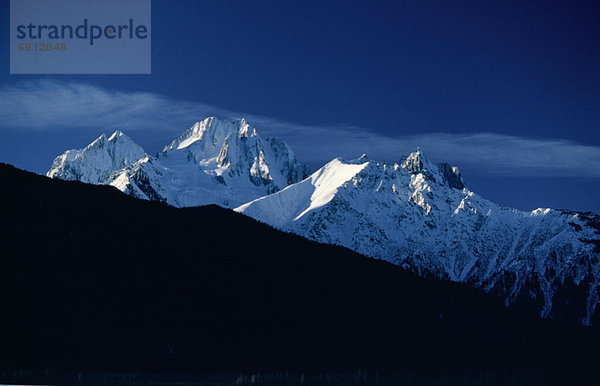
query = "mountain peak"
x=416 y=162
x=98 y=160
x=212 y=130
x=244 y=128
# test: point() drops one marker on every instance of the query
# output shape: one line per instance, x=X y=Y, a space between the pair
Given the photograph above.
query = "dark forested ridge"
x=95 y=281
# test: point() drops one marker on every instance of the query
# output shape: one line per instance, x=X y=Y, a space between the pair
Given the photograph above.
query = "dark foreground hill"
x=94 y=281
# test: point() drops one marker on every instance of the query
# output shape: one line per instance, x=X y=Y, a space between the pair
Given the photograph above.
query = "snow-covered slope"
x=213 y=162
x=421 y=216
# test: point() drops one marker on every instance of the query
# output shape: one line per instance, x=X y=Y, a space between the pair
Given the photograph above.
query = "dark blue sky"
x=524 y=69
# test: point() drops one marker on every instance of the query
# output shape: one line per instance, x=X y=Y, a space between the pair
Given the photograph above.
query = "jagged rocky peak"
x=245 y=130
x=416 y=163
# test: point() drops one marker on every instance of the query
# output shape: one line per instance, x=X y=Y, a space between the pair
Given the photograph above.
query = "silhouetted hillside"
x=94 y=280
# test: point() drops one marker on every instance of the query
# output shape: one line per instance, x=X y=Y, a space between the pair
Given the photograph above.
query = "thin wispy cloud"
x=51 y=105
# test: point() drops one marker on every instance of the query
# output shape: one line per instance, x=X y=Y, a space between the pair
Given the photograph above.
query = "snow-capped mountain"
x=96 y=162
x=421 y=216
x=213 y=162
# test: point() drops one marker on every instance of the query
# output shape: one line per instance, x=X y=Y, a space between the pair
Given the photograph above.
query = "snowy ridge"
x=420 y=216
x=314 y=192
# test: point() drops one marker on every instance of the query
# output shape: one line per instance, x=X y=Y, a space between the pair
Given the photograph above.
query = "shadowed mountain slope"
x=94 y=280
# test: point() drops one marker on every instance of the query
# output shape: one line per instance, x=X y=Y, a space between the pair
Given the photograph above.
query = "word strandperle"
x=83 y=31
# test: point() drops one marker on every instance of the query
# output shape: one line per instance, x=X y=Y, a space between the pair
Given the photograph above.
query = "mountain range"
x=412 y=213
